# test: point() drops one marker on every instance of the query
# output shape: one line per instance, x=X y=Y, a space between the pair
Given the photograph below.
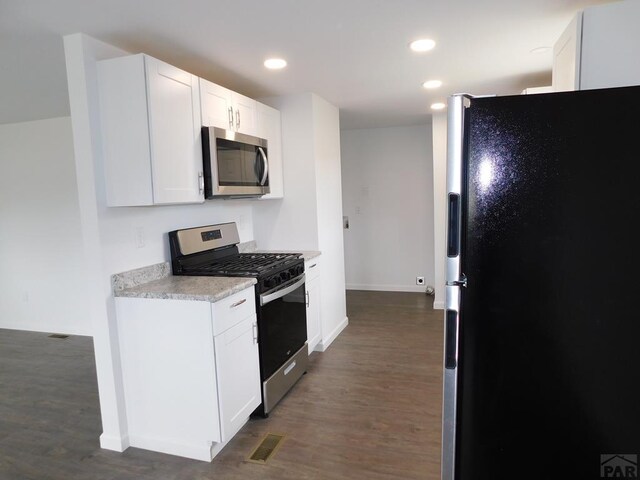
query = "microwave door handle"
x=266 y=166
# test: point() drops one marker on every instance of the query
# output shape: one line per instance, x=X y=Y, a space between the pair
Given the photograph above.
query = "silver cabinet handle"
x=231 y=118
x=312 y=266
x=238 y=303
x=307 y=295
x=237 y=119
x=200 y=183
x=255 y=333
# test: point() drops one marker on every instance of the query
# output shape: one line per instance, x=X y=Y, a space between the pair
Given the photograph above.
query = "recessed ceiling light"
x=422 y=45
x=275 y=63
x=432 y=84
x=438 y=106
x=540 y=50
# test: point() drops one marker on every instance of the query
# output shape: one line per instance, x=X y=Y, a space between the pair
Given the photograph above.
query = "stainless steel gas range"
x=280 y=299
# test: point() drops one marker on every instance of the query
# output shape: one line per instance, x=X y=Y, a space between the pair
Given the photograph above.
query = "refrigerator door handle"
x=451 y=340
x=459 y=283
x=453 y=233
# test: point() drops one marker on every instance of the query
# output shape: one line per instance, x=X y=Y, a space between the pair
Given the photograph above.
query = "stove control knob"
x=285 y=276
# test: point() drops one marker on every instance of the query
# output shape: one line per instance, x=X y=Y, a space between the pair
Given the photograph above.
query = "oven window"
x=282 y=330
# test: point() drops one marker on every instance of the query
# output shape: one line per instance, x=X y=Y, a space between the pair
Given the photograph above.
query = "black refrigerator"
x=542 y=319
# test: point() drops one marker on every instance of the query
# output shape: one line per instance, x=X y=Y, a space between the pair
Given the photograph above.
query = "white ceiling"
x=351 y=52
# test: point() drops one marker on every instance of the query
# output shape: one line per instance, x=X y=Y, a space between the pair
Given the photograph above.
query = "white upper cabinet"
x=269 y=127
x=151 y=117
x=599 y=48
x=215 y=102
x=224 y=108
x=245 y=114
x=150 y=120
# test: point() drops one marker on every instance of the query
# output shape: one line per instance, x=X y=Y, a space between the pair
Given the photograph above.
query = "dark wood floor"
x=369 y=408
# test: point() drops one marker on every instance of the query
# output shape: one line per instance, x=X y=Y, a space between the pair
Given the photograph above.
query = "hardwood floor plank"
x=369 y=408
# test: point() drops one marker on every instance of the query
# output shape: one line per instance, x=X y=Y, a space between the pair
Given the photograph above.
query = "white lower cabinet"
x=312 y=284
x=190 y=371
x=238 y=377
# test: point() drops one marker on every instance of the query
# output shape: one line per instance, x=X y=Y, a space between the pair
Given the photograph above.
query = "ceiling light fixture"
x=275 y=63
x=432 y=84
x=437 y=106
x=422 y=45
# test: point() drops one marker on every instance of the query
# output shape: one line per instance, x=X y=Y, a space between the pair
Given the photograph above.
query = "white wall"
x=109 y=233
x=292 y=223
x=309 y=217
x=326 y=143
x=42 y=282
x=387 y=183
x=439 y=125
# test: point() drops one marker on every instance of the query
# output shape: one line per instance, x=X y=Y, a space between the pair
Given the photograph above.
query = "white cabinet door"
x=174 y=129
x=238 y=370
x=226 y=109
x=313 y=313
x=216 y=105
x=269 y=127
x=245 y=114
x=150 y=119
x=168 y=369
x=314 y=327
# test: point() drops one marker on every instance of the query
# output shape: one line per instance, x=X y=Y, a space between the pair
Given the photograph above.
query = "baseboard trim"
x=113 y=442
x=325 y=342
x=387 y=288
x=194 y=451
x=203 y=451
x=439 y=305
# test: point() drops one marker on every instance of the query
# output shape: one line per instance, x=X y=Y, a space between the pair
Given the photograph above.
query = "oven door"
x=234 y=164
x=282 y=324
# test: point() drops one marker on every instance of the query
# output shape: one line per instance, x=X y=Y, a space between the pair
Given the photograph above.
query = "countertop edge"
x=184 y=287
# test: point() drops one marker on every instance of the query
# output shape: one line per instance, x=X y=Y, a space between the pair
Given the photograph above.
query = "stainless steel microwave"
x=235 y=164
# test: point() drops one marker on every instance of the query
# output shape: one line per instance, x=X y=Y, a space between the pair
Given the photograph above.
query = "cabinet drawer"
x=312 y=268
x=229 y=311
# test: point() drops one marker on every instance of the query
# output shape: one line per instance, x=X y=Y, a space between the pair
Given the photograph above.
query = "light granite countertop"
x=206 y=289
x=155 y=281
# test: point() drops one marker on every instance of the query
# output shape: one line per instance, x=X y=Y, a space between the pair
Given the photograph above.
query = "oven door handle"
x=298 y=282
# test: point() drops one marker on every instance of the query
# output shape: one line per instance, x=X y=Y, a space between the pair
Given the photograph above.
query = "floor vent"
x=267 y=448
x=58 y=335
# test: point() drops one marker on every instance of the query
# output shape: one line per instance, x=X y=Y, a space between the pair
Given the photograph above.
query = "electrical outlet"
x=419 y=280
